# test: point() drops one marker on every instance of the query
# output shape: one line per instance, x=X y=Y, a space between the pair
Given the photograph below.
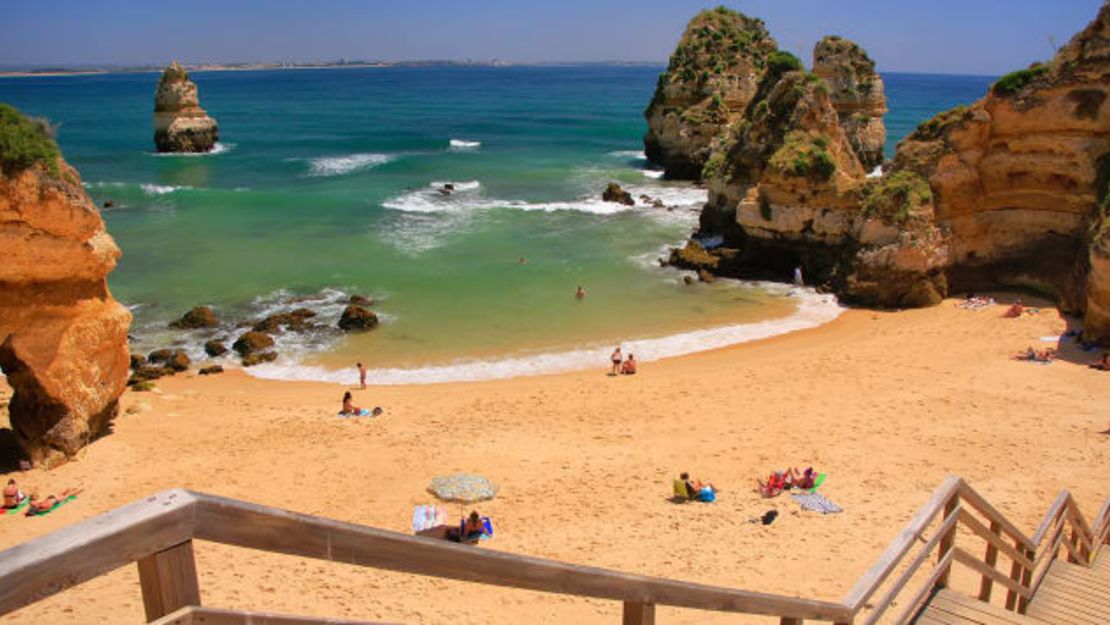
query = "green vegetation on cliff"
x=1016 y=81
x=25 y=142
x=933 y=129
x=804 y=155
x=897 y=197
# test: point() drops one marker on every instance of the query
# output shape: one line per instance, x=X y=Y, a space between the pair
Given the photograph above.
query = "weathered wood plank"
x=1083 y=603
x=1050 y=518
x=947 y=540
x=874 y=577
x=636 y=613
x=993 y=538
x=975 y=500
x=957 y=603
x=978 y=566
x=257 y=527
x=883 y=604
x=990 y=558
x=1062 y=613
x=912 y=607
x=195 y=615
x=47 y=565
x=168 y=580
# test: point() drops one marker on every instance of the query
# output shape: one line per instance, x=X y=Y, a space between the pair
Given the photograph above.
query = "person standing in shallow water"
x=361 y=375
x=580 y=293
x=798 y=275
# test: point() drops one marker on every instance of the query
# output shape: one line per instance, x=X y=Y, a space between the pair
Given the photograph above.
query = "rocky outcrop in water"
x=856 y=91
x=180 y=125
x=1009 y=192
x=63 y=338
x=614 y=193
x=712 y=76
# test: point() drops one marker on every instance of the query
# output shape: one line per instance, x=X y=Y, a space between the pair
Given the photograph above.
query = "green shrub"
x=932 y=129
x=804 y=155
x=25 y=141
x=714 y=166
x=897 y=196
x=1016 y=81
x=780 y=61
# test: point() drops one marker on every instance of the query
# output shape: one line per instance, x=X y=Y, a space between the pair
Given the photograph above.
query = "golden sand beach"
x=887 y=404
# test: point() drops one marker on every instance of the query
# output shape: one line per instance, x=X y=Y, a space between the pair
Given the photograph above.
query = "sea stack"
x=63 y=338
x=856 y=90
x=180 y=125
x=1012 y=191
x=712 y=76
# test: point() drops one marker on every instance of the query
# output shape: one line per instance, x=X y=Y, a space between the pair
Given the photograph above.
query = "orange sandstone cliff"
x=63 y=339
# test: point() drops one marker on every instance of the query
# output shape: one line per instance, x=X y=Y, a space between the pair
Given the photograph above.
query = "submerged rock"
x=198 y=317
x=63 y=338
x=252 y=342
x=361 y=300
x=180 y=125
x=296 y=321
x=356 y=318
x=215 y=348
x=614 y=193
x=251 y=360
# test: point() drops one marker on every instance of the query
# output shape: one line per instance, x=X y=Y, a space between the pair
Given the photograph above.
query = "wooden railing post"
x=947 y=542
x=991 y=557
x=1016 y=570
x=636 y=613
x=1027 y=581
x=169 y=581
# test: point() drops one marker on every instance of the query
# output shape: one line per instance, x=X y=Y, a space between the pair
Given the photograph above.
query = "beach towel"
x=427 y=517
x=363 y=413
x=817 y=502
x=817 y=483
x=61 y=502
x=19 y=506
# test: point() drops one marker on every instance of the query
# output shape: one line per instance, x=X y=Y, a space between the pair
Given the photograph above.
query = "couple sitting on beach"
x=686 y=489
x=14 y=499
x=789 y=479
x=628 y=367
x=351 y=410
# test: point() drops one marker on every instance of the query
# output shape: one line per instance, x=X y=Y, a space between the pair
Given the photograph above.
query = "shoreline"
x=886 y=403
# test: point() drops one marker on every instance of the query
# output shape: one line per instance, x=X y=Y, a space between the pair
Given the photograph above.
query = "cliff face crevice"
x=180 y=124
x=1007 y=192
x=63 y=339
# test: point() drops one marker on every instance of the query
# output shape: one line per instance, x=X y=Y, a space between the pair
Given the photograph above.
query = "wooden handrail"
x=157 y=532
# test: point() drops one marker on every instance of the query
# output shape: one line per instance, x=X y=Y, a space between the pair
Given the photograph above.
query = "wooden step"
x=948 y=607
x=1072 y=594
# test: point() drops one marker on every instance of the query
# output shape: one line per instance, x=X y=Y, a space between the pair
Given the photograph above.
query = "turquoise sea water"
x=326 y=185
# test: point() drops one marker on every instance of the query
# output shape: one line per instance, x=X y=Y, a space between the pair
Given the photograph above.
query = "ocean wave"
x=218 y=148
x=654 y=174
x=326 y=166
x=633 y=154
x=163 y=189
x=813 y=310
x=467 y=197
x=462 y=144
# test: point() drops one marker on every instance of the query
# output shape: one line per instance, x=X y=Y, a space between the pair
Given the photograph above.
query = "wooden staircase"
x=1059 y=575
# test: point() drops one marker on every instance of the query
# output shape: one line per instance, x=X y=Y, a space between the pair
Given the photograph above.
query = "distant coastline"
x=247 y=67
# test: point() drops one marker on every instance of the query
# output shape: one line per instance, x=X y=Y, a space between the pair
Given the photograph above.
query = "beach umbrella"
x=463 y=488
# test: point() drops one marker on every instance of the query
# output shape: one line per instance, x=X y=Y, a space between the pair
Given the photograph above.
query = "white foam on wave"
x=633 y=154
x=218 y=148
x=813 y=310
x=654 y=174
x=325 y=166
x=467 y=197
x=462 y=144
x=163 y=189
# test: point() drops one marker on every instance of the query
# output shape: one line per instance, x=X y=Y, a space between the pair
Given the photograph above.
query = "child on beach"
x=629 y=366
x=361 y=375
x=615 y=360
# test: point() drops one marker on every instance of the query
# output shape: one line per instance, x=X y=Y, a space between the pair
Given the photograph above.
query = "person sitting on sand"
x=348 y=406
x=801 y=479
x=775 y=484
x=12 y=495
x=629 y=366
x=470 y=529
x=1015 y=310
x=615 y=360
x=698 y=490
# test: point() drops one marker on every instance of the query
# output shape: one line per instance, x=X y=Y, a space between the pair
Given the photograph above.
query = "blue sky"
x=943 y=36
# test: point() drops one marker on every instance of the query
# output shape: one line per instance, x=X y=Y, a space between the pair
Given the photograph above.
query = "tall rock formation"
x=1009 y=192
x=712 y=76
x=180 y=125
x=856 y=90
x=63 y=339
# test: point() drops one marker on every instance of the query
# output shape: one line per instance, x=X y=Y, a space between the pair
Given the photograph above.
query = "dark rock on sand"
x=212 y=369
x=706 y=276
x=215 y=348
x=198 y=317
x=361 y=300
x=251 y=360
x=356 y=318
x=614 y=193
x=252 y=342
x=148 y=373
x=137 y=360
x=179 y=361
x=159 y=356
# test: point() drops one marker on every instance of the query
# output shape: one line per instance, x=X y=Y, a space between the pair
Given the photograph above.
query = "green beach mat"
x=817 y=483
x=56 y=506
x=21 y=505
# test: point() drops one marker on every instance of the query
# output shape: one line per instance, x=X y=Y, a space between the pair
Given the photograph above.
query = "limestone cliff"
x=712 y=76
x=180 y=125
x=1008 y=192
x=856 y=90
x=63 y=339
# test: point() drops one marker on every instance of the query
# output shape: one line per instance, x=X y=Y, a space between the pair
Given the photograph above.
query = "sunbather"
x=1037 y=355
x=775 y=484
x=698 y=490
x=12 y=495
x=803 y=480
x=629 y=366
x=1015 y=309
x=470 y=529
x=348 y=407
x=38 y=506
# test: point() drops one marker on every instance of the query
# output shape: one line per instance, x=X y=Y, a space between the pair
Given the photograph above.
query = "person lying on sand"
x=38 y=506
x=801 y=479
x=1037 y=355
x=348 y=407
x=775 y=484
x=629 y=366
x=697 y=489
x=12 y=495
x=1014 y=310
x=1102 y=364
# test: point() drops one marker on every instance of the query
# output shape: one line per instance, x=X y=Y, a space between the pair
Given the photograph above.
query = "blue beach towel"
x=817 y=502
